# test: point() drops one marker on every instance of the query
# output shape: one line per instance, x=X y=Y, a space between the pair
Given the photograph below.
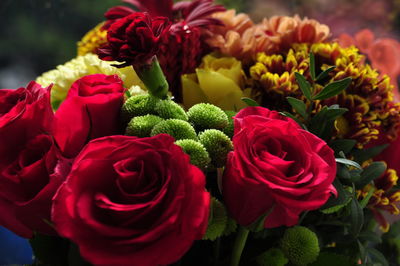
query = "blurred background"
x=37 y=35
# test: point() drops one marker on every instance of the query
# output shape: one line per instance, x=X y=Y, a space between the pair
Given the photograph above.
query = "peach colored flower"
x=242 y=39
x=237 y=37
x=364 y=40
x=384 y=54
x=283 y=31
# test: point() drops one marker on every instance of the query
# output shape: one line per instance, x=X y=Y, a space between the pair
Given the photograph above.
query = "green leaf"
x=332 y=114
x=325 y=73
x=304 y=85
x=312 y=66
x=331 y=259
x=299 y=106
x=292 y=117
x=334 y=204
x=258 y=225
x=370 y=236
x=333 y=89
x=363 y=252
x=344 y=145
x=364 y=201
x=377 y=256
x=361 y=156
x=249 y=101
x=373 y=171
x=356 y=217
x=348 y=162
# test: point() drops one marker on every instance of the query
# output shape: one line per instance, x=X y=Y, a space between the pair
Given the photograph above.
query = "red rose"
x=275 y=166
x=29 y=167
x=28 y=184
x=24 y=113
x=132 y=201
x=91 y=110
x=134 y=39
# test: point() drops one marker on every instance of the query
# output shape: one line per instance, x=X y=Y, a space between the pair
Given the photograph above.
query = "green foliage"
x=217 y=221
x=250 y=102
x=331 y=259
x=333 y=89
x=272 y=257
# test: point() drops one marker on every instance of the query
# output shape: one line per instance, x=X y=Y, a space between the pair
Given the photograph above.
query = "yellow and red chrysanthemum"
x=385 y=197
x=92 y=40
x=369 y=97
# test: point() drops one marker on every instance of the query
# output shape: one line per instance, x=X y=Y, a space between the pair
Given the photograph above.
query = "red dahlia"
x=183 y=46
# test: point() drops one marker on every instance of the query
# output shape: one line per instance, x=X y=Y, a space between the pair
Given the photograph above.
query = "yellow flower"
x=92 y=40
x=64 y=75
x=219 y=81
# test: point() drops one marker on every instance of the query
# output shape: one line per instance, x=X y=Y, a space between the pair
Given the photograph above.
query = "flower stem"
x=238 y=247
x=153 y=77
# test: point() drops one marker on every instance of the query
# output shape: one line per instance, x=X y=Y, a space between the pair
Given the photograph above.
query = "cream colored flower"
x=64 y=75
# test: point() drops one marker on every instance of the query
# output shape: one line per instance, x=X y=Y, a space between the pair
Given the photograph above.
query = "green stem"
x=217 y=248
x=238 y=247
x=153 y=77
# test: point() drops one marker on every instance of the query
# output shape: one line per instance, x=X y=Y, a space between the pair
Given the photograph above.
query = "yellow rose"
x=219 y=81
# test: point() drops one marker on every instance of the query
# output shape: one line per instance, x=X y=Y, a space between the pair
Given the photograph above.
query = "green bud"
x=138 y=105
x=141 y=126
x=217 y=220
x=228 y=130
x=169 y=109
x=217 y=144
x=178 y=129
x=272 y=257
x=198 y=154
x=300 y=245
x=206 y=116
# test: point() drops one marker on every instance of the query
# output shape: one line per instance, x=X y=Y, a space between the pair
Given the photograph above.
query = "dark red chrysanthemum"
x=134 y=39
x=183 y=47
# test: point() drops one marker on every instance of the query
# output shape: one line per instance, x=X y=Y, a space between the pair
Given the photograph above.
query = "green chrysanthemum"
x=169 y=109
x=228 y=130
x=272 y=257
x=141 y=126
x=138 y=105
x=217 y=144
x=300 y=245
x=207 y=116
x=198 y=154
x=178 y=129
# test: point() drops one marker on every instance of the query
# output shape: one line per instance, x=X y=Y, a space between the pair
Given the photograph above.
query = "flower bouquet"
x=187 y=134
